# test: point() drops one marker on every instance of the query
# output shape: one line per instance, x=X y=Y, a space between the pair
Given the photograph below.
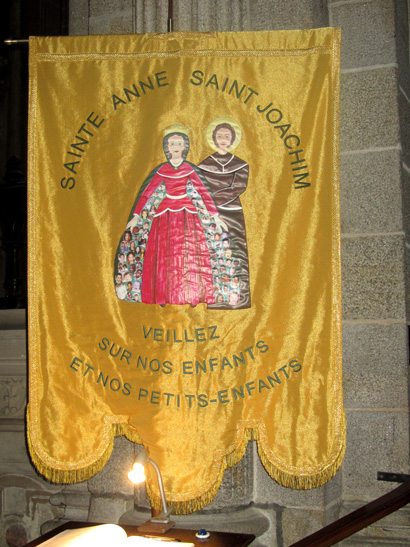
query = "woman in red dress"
x=176 y=265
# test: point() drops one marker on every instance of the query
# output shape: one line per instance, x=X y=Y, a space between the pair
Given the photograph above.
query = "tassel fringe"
x=300 y=482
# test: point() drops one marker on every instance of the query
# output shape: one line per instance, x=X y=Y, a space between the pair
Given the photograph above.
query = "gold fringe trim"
x=64 y=476
x=198 y=503
x=299 y=482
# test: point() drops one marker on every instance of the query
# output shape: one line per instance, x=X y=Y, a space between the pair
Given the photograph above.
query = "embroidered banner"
x=184 y=270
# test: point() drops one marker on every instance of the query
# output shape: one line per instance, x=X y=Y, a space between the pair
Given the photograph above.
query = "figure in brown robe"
x=227 y=177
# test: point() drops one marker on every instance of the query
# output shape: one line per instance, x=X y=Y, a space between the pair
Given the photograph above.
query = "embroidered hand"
x=220 y=224
x=133 y=222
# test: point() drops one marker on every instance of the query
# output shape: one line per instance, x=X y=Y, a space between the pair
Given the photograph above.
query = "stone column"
x=374 y=178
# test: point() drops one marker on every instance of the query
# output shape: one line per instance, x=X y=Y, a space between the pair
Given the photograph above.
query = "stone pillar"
x=24 y=496
x=374 y=179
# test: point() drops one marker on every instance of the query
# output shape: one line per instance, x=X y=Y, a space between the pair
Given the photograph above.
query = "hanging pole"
x=170 y=15
x=10 y=42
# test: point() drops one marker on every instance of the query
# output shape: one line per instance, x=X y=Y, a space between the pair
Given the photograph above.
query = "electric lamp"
x=159 y=523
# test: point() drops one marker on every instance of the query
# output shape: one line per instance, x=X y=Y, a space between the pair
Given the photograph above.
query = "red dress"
x=177 y=268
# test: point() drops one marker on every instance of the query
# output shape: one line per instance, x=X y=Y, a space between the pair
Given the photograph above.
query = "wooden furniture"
x=216 y=539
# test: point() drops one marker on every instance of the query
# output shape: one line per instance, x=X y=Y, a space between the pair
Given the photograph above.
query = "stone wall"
x=375 y=191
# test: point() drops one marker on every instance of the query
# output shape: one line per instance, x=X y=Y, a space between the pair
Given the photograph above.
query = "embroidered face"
x=176 y=147
x=223 y=137
x=233 y=298
x=121 y=291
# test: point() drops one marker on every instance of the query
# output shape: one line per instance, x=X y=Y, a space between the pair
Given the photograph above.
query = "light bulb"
x=137 y=475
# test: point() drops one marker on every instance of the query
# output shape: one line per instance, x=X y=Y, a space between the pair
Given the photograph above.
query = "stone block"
x=116 y=24
x=106 y=8
x=78 y=18
x=373 y=277
x=332 y=512
x=35 y=483
x=375 y=369
x=299 y=523
x=73 y=500
x=205 y=16
x=368 y=32
x=270 y=537
x=402 y=43
x=229 y=16
x=13 y=449
x=405 y=177
x=287 y=14
x=108 y=509
x=237 y=17
x=13 y=320
x=404 y=110
x=185 y=15
x=407 y=273
x=237 y=484
x=369 y=109
x=402 y=49
x=14 y=501
x=12 y=397
x=333 y=491
x=13 y=348
x=370 y=192
x=141 y=497
x=376 y=441
x=113 y=478
x=151 y=16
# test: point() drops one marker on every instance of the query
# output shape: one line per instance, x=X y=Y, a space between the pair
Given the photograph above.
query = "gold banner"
x=184 y=261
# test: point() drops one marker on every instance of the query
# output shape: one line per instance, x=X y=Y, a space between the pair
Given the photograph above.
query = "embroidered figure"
x=170 y=262
x=227 y=177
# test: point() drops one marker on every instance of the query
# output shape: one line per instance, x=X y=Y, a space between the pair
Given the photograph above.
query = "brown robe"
x=227 y=177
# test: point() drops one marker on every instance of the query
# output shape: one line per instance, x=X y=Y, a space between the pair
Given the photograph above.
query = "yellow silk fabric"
x=271 y=372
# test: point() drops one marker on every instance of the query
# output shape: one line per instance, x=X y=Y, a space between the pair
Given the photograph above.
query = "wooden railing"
x=359 y=519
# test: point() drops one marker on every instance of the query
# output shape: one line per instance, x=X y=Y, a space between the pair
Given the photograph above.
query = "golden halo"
x=218 y=121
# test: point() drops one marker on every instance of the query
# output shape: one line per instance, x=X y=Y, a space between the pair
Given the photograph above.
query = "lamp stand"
x=151 y=526
x=158 y=523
